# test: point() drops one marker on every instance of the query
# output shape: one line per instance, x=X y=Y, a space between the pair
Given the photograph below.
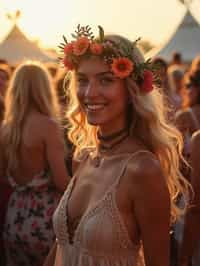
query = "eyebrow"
x=98 y=74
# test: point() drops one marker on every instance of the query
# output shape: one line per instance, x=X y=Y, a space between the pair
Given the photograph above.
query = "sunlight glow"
x=47 y=21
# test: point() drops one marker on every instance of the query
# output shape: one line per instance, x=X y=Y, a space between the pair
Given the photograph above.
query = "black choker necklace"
x=107 y=145
x=112 y=136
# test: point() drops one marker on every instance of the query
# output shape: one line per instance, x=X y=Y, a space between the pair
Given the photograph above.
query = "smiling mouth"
x=94 y=107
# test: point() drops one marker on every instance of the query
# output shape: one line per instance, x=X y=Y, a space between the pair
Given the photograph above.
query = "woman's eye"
x=82 y=81
x=105 y=81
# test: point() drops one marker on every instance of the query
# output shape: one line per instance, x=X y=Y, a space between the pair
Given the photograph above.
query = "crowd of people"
x=99 y=160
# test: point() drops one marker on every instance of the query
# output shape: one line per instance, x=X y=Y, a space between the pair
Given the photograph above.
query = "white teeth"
x=94 y=107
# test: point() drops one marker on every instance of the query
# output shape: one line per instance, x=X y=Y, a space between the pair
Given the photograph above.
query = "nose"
x=91 y=90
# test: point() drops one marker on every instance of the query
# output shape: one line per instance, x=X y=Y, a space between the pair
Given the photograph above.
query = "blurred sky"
x=47 y=21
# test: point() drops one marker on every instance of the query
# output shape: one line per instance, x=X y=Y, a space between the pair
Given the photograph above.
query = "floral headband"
x=118 y=56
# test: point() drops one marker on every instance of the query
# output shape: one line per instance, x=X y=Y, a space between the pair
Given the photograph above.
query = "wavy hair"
x=148 y=122
x=30 y=87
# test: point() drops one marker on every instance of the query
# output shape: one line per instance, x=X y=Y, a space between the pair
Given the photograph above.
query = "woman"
x=190 y=247
x=188 y=120
x=126 y=165
x=32 y=158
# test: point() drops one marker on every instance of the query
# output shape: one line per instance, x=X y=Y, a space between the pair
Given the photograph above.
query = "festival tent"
x=185 y=40
x=16 y=47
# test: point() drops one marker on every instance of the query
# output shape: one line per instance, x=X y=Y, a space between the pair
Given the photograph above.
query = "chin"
x=94 y=122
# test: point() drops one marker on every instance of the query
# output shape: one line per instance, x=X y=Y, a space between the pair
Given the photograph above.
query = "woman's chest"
x=92 y=183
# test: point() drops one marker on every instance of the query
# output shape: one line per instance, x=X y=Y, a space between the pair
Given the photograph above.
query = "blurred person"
x=32 y=160
x=126 y=166
x=175 y=76
x=190 y=247
x=162 y=81
x=177 y=60
x=5 y=191
x=5 y=74
x=195 y=65
x=188 y=120
x=53 y=69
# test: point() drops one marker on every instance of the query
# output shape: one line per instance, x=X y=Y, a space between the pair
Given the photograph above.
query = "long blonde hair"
x=30 y=87
x=148 y=122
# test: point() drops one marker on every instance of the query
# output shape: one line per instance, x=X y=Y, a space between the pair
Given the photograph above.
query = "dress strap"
x=117 y=182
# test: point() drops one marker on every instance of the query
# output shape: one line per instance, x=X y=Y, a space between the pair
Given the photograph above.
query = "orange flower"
x=81 y=46
x=122 y=67
x=68 y=64
x=96 y=48
x=68 y=49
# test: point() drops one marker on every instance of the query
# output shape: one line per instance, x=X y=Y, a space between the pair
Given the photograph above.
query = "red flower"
x=68 y=49
x=67 y=63
x=147 y=84
x=81 y=46
x=96 y=48
x=122 y=67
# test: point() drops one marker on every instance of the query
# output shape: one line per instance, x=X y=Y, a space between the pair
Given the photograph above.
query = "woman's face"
x=103 y=97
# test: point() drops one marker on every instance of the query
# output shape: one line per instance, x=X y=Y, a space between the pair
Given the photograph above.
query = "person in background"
x=195 y=65
x=162 y=80
x=190 y=246
x=5 y=75
x=126 y=162
x=32 y=160
x=177 y=60
x=5 y=191
x=175 y=76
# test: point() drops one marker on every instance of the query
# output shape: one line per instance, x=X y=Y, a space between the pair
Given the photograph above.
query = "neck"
x=107 y=142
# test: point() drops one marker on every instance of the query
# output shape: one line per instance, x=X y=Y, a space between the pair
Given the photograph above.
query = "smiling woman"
x=126 y=165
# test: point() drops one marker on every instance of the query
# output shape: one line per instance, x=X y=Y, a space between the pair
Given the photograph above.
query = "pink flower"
x=67 y=63
x=147 y=84
x=96 y=48
x=68 y=49
x=81 y=46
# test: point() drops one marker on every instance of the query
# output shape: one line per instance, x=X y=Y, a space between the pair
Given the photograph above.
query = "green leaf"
x=65 y=39
x=101 y=33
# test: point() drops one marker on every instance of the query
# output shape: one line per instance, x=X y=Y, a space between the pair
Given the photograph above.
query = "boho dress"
x=101 y=237
x=28 y=233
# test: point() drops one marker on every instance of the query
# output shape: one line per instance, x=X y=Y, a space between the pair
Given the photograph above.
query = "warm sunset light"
x=48 y=20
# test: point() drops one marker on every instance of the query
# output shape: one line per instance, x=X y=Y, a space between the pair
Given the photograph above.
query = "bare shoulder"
x=49 y=126
x=145 y=175
x=145 y=165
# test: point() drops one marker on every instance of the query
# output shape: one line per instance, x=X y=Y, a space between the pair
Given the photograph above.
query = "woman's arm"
x=192 y=220
x=50 y=259
x=151 y=202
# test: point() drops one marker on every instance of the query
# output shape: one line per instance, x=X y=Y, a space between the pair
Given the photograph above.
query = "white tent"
x=185 y=40
x=16 y=47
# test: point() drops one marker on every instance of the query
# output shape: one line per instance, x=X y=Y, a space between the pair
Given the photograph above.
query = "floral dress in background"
x=28 y=233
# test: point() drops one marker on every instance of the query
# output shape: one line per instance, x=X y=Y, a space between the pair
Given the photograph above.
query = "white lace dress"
x=101 y=237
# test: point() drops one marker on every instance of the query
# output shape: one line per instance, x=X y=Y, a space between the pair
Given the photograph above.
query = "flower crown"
x=118 y=56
